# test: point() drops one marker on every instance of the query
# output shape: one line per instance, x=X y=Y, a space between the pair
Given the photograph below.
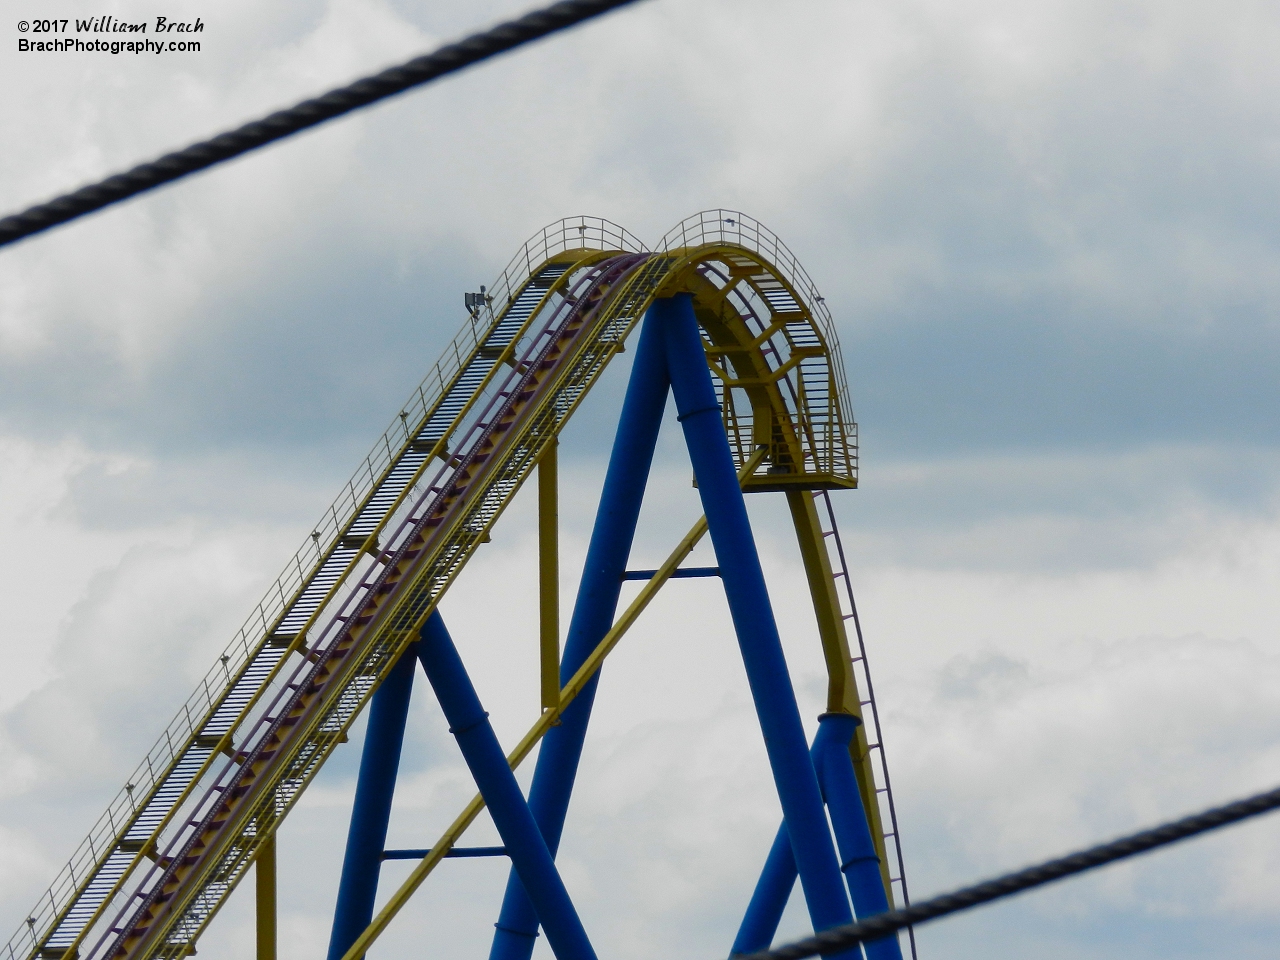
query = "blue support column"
x=773 y=889
x=375 y=786
x=859 y=861
x=529 y=855
x=593 y=615
x=772 y=892
x=753 y=619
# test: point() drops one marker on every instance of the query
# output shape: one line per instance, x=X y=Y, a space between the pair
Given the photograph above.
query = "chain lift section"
x=211 y=793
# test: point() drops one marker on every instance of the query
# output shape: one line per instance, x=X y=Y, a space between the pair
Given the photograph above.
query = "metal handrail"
x=721 y=226
x=570 y=234
x=90 y=856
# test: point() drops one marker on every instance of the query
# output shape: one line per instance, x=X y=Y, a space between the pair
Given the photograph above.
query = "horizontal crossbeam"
x=452 y=852
x=684 y=573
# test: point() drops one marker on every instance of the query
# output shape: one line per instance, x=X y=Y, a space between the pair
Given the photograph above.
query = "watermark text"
x=109 y=34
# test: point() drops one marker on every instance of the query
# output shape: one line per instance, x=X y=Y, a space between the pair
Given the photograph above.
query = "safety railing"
x=90 y=856
x=732 y=226
x=827 y=435
x=569 y=234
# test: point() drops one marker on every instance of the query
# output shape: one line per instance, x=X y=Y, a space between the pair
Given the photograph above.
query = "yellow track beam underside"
x=661 y=276
x=842 y=686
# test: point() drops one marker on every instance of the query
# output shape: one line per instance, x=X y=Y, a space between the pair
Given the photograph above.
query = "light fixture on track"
x=731 y=327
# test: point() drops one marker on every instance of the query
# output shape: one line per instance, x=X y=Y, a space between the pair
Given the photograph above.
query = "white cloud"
x=1044 y=230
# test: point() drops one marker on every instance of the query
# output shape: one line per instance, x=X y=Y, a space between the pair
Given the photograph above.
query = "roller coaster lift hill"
x=728 y=324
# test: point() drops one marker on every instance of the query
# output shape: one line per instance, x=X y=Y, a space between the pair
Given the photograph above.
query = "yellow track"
x=212 y=793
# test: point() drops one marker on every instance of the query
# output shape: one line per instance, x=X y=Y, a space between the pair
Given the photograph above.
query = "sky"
x=1047 y=232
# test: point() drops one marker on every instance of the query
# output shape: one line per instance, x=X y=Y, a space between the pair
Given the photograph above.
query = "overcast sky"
x=1048 y=233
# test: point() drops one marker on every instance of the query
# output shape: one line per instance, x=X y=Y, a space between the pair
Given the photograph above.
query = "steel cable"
x=841 y=938
x=283 y=123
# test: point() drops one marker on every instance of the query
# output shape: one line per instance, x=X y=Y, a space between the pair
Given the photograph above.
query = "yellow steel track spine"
x=303 y=753
x=771 y=344
x=149 y=849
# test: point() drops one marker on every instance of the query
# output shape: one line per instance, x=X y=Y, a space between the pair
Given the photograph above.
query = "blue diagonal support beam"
x=769 y=899
x=469 y=723
x=379 y=763
x=752 y=613
x=858 y=858
x=593 y=614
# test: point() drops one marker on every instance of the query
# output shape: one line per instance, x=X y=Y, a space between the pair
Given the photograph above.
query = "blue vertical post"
x=859 y=860
x=773 y=889
x=752 y=614
x=593 y=615
x=367 y=836
x=529 y=855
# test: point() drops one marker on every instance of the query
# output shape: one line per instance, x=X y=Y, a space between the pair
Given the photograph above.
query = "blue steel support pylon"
x=859 y=861
x=769 y=899
x=367 y=836
x=530 y=858
x=669 y=357
x=593 y=615
x=670 y=352
x=753 y=620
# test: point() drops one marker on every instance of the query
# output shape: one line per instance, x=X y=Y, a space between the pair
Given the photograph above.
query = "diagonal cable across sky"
x=442 y=62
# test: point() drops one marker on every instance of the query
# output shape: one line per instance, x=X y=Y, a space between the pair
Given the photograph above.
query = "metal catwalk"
x=732 y=328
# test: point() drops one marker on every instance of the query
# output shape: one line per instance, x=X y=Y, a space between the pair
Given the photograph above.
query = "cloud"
x=1045 y=232
x=1086 y=510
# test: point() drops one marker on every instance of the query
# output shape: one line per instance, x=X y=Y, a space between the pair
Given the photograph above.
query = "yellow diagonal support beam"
x=568 y=693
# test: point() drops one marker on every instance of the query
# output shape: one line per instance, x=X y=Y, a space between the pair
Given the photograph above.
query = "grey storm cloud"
x=1047 y=232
